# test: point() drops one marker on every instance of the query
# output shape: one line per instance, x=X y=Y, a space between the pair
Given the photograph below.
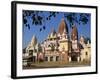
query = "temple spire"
x=62 y=27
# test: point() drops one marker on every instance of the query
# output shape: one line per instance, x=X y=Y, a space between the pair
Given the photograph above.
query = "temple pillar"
x=78 y=58
x=69 y=59
x=48 y=58
x=54 y=58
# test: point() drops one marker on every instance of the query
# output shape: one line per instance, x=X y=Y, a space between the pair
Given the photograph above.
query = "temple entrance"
x=74 y=58
x=57 y=58
x=34 y=58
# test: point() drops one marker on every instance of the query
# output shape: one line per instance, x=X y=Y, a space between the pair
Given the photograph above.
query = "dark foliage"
x=40 y=18
x=87 y=39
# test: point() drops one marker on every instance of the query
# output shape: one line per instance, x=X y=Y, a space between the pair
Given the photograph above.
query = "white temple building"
x=59 y=46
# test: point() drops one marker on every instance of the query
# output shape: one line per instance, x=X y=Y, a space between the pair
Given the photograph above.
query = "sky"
x=54 y=23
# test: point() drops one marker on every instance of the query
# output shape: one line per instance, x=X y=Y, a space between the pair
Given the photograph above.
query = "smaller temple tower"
x=82 y=41
x=32 y=50
x=86 y=50
x=75 y=54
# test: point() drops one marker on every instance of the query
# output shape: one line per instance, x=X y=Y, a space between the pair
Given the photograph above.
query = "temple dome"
x=63 y=26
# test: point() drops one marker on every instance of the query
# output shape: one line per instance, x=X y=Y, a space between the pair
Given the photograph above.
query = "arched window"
x=57 y=58
x=49 y=45
x=51 y=58
x=86 y=53
x=30 y=52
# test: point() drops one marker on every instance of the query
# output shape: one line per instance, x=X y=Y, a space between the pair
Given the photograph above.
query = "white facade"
x=86 y=53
